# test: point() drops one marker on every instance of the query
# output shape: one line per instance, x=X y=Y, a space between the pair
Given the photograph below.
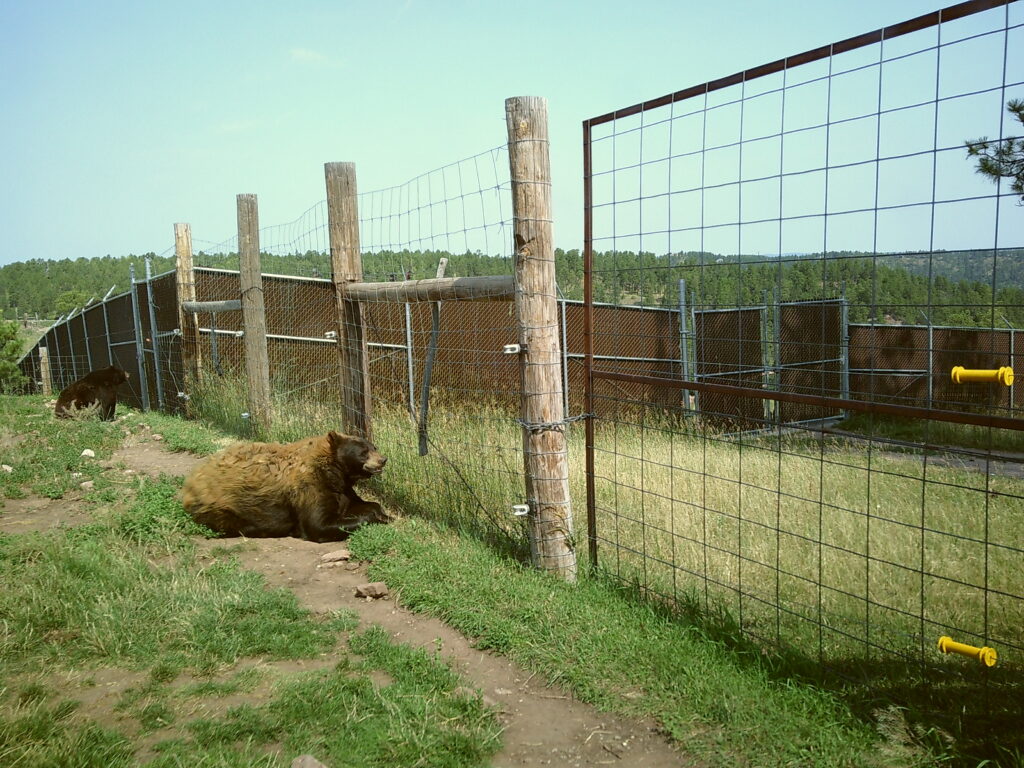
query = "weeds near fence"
x=470 y=477
x=774 y=519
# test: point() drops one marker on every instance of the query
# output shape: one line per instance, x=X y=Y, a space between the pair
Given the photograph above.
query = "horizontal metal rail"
x=228 y=305
x=223 y=332
x=930 y=414
x=581 y=355
x=892 y=371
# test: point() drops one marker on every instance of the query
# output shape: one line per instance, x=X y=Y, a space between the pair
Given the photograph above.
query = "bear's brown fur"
x=97 y=388
x=302 y=489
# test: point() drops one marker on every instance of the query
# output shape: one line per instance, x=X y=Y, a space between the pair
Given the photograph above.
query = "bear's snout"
x=376 y=465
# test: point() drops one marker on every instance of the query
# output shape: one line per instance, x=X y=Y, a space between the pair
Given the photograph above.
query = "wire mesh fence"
x=760 y=254
x=817 y=210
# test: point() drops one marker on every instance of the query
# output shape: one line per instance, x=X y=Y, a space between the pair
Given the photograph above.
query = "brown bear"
x=95 y=388
x=302 y=489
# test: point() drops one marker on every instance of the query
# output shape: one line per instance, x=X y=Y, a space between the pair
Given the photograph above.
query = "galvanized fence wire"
x=447 y=395
x=804 y=218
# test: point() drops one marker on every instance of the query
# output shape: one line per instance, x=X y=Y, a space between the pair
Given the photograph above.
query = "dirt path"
x=543 y=725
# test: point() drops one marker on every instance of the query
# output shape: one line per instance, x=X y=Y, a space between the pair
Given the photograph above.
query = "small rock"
x=88 y=485
x=89 y=453
x=157 y=437
x=372 y=591
x=307 y=761
x=335 y=556
x=503 y=692
x=7 y=468
x=76 y=475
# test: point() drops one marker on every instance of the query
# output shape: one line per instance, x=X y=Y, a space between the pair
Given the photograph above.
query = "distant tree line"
x=945 y=288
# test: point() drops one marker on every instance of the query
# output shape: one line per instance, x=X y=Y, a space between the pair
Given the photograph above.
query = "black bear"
x=302 y=489
x=95 y=388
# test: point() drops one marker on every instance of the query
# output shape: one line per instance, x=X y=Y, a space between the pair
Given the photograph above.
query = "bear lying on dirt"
x=95 y=388
x=302 y=489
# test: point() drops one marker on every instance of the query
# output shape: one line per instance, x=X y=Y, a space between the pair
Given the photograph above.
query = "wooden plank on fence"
x=257 y=365
x=446 y=289
x=543 y=414
x=346 y=269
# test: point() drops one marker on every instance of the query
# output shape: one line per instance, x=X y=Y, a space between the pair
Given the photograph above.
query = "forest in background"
x=947 y=288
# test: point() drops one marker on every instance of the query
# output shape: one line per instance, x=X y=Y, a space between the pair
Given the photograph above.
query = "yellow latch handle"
x=986 y=655
x=1003 y=375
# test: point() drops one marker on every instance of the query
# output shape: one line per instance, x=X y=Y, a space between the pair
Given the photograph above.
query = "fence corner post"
x=543 y=414
x=254 y=320
x=347 y=267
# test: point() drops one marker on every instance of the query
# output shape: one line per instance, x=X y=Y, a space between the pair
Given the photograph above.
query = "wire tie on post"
x=549 y=425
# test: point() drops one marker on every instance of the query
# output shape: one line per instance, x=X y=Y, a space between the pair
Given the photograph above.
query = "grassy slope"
x=721 y=699
x=715 y=700
x=127 y=593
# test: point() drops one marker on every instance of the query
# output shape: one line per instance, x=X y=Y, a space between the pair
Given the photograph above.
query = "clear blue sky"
x=121 y=118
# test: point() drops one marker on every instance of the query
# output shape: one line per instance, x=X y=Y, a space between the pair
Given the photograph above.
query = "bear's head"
x=111 y=376
x=358 y=458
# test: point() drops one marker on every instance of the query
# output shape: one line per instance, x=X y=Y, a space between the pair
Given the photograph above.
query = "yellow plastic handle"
x=986 y=655
x=1003 y=375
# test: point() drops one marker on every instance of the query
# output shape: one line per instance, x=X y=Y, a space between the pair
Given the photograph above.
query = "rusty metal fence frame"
x=640 y=527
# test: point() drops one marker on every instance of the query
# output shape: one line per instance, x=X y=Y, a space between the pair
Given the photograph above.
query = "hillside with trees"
x=890 y=288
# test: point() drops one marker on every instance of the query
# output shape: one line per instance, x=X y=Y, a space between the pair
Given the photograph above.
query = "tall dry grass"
x=838 y=550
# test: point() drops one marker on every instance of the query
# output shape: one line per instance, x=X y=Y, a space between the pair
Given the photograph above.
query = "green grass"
x=129 y=595
x=41 y=734
x=180 y=435
x=719 y=703
x=45 y=454
x=812 y=559
x=422 y=716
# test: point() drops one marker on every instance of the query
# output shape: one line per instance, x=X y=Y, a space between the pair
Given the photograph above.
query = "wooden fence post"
x=347 y=267
x=254 y=321
x=543 y=415
x=44 y=371
x=186 y=291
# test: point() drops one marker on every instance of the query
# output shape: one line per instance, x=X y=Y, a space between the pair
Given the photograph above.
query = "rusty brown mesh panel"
x=729 y=351
x=97 y=336
x=810 y=357
x=971 y=348
x=859 y=549
x=649 y=340
x=893 y=364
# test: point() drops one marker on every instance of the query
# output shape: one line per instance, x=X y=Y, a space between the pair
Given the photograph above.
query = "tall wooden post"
x=44 y=371
x=186 y=290
x=257 y=364
x=347 y=267
x=543 y=414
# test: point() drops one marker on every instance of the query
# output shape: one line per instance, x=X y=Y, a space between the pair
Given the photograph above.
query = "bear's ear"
x=333 y=439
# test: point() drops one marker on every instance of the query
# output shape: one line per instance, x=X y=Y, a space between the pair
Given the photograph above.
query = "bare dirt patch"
x=544 y=725
x=40 y=514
